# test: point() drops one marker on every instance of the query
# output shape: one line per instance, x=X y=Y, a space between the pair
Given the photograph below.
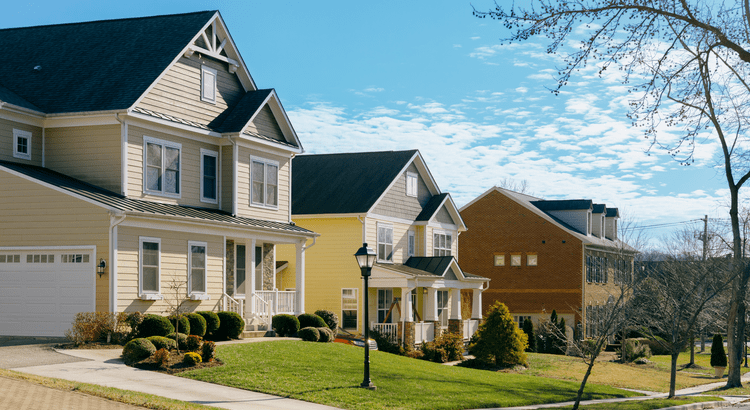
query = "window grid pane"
x=150 y=266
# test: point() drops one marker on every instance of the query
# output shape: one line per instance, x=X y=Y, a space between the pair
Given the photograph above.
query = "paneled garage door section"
x=42 y=290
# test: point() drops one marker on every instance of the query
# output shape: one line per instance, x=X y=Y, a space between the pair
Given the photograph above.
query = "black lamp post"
x=366 y=258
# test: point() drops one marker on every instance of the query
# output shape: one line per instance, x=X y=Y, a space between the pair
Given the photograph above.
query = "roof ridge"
x=108 y=20
x=360 y=153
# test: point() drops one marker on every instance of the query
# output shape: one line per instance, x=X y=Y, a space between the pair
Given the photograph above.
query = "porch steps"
x=250 y=334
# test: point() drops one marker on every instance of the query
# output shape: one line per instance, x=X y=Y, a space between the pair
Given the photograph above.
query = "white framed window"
x=442 y=307
x=10 y=258
x=520 y=319
x=208 y=84
x=209 y=176
x=265 y=182
x=441 y=244
x=41 y=258
x=515 y=260
x=240 y=268
x=349 y=308
x=500 y=260
x=197 y=270
x=411 y=244
x=162 y=167
x=531 y=259
x=385 y=300
x=149 y=268
x=385 y=242
x=21 y=144
x=411 y=184
x=75 y=258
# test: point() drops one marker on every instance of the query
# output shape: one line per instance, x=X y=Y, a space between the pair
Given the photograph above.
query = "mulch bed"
x=174 y=365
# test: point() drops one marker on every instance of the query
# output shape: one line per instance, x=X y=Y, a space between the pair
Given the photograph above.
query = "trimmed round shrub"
x=181 y=339
x=331 y=319
x=191 y=358
x=309 y=334
x=183 y=324
x=193 y=343
x=212 y=321
x=197 y=324
x=718 y=357
x=138 y=349
x=161 y=342
x=231 y=325
x=285 y=325
x=154 y=325
x=311 y=320
x=326 y=334
x=208 y=350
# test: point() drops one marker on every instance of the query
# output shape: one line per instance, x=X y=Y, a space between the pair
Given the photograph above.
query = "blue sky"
x=365 y=76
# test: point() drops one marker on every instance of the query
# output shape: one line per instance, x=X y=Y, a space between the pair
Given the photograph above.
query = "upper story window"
x=411 y=244
x=265 y=182
x=515 y=260
x=208 y=84
x=441 y=244
x=149 y=264
x=209 y=176
x=162 y=167
x=197 y=272
x=531 y=259
x=499 y=260
x=21 y=144
x=411 y=184
x=385 y=243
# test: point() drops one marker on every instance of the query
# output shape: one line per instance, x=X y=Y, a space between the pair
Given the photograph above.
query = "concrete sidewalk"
x=25 y=395
x=106 y=368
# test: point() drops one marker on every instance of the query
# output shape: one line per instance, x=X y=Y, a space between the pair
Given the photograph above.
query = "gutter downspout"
x=113 y=259
x=235 y=162
x=123 y=155
x=290 y=190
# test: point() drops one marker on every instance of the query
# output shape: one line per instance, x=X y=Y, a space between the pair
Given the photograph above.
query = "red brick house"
x=561 y=255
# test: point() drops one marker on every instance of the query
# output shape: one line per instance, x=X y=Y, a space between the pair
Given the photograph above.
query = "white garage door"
x=42 y=290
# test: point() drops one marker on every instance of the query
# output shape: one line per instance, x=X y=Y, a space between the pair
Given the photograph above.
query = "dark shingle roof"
x=563 y=204
x=121 y=203
x=612 y=212
x=427 y=266
x=248 y=105
x=92 y=66
x=431 y=207
x=599 y=209
x=9 y=96
x=343 y=183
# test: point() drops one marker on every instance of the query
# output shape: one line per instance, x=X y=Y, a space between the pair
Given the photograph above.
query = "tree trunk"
x=692 y=351
x=736 y=314
x=673 y=374
x=583 y=383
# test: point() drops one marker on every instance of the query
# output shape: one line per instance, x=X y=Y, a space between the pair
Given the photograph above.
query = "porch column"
x=455 y=322
x=476 y=304
x=300 y=278
x=407 y=318
x=430 y=306
x=249 y=298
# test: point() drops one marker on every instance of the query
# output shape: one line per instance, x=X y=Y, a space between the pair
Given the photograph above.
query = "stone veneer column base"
x=456 y=326
x=409 y=334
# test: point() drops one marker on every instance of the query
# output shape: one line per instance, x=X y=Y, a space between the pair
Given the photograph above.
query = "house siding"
x=34 y=215
x=400 y=237
x=227 y=177
x=6 y=142
x=177 y=93
x=443 y=216
x=91 y=154
x=173 y=269
x=244 y=207
x=395 y=203
x=578 y=219
x=265 y=124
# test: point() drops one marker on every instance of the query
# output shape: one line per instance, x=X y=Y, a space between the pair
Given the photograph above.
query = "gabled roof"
x=431 y=267
x=432 y=207
x=344 y=183
x=563 y=204
x=116 y=202
x=65 y=68
x=613 y=213
x=599 y=209
x=245 y=109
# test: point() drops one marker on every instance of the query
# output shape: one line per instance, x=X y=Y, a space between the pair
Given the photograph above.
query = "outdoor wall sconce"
x=101 y=267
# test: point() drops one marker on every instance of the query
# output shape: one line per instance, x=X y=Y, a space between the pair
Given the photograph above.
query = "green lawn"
x=330 y=373
x=651 y=404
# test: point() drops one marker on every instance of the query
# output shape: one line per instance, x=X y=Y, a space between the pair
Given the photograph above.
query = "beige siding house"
x=126 y=185
x=390 y=201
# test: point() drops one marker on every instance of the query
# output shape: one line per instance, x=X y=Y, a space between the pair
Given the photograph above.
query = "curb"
x=702 y=405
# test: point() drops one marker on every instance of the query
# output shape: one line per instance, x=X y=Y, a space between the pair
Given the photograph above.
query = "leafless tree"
x=516 y=186
x=176 y=299
x=686 y=63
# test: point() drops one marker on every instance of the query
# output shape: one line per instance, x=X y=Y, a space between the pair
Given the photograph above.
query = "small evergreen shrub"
x=231 y=325
x=285 y=325
x=499 y=339
x=180 y=338
x=310 y=320
x=193 y=343
x=633 y=351
x=208 y=351
x=528 y=328
x=154 y=325
x=161 y=357
x=161 y=342
x=326 y=334
x=658 y=346
x=212 y=321
x=384 y=343
x=433 y=353
x=182 y=323
x=191 y=358
x=331 y=319
x=309 y=334
x=718 y=357
x=452 y=344
x=138 y=349
x=134 y=320
x=414 y=354
x=197 y=324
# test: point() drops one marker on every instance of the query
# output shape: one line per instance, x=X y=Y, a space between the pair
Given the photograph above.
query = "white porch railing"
x=424 y=332
x=276 y=301
x=231 y=304
x=389 y=330
x=470 y=327
x=261 y=308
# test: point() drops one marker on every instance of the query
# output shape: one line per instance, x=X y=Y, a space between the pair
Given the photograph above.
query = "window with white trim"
x=385 y=242
x=209 y=176
x=197 y=264
x=21 y=144
x=265 y=182
x=411 y=184
x=162 y=167
x=385 y=300
x=75 y=258
x=515 y=260
x=411 y=243
x=44 y=258
x=442 y=307
x=349 y=307
x=149 y=266
x=208 y=84
x=500 y=260
x=531 y=259
x=241 y=269
x=441 y=244
x=10 y=258
x=520 y=320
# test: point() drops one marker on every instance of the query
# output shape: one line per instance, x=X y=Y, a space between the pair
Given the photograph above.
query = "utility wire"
x=664 y=224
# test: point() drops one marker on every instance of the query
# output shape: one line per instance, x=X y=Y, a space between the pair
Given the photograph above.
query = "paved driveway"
x=18 y=352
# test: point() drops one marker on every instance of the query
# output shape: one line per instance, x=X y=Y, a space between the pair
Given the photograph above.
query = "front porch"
x=423 y=331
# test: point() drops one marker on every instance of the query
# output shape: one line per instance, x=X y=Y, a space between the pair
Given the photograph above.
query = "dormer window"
x=411 y=184
x=208 y=84
x=21 y=144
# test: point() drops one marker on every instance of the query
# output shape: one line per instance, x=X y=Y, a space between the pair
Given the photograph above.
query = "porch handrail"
x=389 y=330
x=279 y=301
x=262 y=308
x=231 y=304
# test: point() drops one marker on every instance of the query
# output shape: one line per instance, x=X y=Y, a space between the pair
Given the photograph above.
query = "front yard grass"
x=330 y=373
x=650 y=404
